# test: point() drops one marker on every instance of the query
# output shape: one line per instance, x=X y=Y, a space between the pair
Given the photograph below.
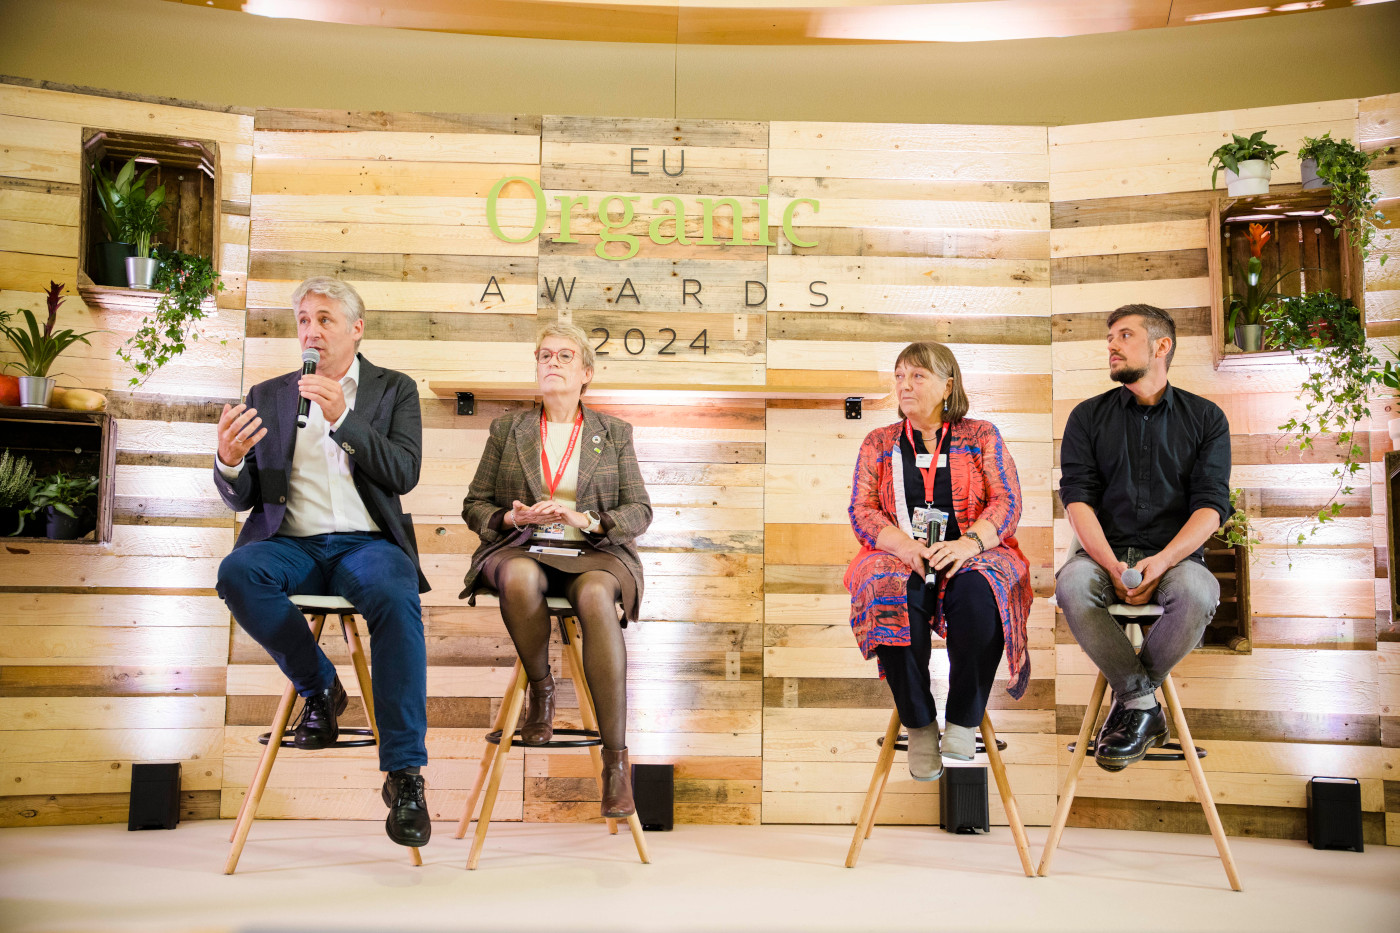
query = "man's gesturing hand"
x=238 y=432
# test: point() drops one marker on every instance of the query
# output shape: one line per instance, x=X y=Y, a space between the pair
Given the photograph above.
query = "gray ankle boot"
x=959 y=743
x=925 y=762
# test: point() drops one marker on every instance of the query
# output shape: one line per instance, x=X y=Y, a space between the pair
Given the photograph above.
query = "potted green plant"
x=65 y=504
x=109 y=267
x=1388 y=377
x=38 y=350
x=139 y=219
x=1339 y=165
x=1248 y=164
x=1327 y=335
x=186 y=281
x=1246 y=316
x=16 y=475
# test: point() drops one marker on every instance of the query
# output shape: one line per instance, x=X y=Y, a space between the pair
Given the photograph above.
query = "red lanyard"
x=568 y=452
x=929 y=474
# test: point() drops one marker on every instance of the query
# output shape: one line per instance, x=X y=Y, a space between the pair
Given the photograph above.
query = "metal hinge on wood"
x=853 y=408
x=466 y=403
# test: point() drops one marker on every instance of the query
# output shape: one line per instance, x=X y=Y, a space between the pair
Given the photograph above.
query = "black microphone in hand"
x=1132 y=578
x=309 y=359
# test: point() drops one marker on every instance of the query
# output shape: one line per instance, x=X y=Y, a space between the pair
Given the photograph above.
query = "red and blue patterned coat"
x=985 y=485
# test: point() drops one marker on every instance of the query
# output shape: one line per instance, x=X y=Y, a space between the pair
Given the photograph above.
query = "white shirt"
x=322 y=498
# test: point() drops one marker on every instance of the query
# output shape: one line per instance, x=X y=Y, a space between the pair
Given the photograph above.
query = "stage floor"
x=348 y=878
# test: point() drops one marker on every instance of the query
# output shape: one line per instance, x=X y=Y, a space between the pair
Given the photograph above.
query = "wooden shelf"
x=111 y=298
x=873 y=387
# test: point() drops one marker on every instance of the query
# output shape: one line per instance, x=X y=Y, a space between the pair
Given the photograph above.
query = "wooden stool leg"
x=1091 y=715
x=249 y=811
x=351 y=631
x=876 y=790
x=488 y=755
x=1198 y=775
x=483 y=823
x=1008 y=799
x=585 y=701
x=357 y=657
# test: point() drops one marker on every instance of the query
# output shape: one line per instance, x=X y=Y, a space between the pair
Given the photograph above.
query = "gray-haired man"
x=326 y=519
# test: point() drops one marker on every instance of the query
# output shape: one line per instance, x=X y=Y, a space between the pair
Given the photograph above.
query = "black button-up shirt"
x=1145 y=469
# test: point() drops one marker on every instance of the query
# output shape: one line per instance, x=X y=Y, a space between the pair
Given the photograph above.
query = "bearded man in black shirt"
x=1144 y=479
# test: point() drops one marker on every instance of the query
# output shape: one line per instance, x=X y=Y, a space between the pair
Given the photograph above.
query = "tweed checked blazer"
x=609 y=483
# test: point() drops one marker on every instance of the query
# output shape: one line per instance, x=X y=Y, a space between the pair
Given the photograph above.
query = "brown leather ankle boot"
x=617 y=784
x=539 y=712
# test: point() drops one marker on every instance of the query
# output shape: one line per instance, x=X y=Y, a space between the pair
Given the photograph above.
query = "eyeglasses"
x=566 y=356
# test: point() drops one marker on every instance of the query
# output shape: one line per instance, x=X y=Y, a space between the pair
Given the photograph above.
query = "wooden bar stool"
x=500 y=740
x=317 y=607
x=1133 y=618
x=893 y=742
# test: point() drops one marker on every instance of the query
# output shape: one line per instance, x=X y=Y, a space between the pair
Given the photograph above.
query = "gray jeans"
x=1188 y=594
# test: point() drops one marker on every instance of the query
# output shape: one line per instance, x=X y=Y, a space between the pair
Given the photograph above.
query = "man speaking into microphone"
x=321 y=458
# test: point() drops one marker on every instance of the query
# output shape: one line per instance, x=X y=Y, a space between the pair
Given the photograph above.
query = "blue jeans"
x=1188 y=594
x=376 y=576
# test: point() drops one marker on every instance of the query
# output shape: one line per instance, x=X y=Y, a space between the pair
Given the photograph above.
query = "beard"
x=1127 y=374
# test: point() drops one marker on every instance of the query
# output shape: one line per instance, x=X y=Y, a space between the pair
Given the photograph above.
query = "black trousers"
x=975 y=641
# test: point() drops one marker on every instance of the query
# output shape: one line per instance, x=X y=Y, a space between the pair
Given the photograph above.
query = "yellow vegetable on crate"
x=77 y=399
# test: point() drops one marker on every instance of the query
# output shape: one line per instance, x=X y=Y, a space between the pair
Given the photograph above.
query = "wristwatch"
x=595 y=522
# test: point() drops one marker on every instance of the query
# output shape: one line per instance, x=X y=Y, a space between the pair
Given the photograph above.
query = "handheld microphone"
x=1132 y=578
x=309 y=359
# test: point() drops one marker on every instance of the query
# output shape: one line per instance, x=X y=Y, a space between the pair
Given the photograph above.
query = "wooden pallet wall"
x=1130 y=202
x=1011 y=244
x=114 y=655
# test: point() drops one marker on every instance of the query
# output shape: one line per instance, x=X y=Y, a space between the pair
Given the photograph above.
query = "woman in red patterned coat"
x=935 y=502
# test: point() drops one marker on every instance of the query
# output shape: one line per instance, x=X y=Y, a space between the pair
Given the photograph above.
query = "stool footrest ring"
x=368 y=738
x=901 y=744
x=587 y=739
x=1172 y=751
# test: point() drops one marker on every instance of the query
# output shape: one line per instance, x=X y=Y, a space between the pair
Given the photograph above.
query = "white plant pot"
x=1311 y=182
x=35 y=391
x=1253 y=178
x=1393 y=426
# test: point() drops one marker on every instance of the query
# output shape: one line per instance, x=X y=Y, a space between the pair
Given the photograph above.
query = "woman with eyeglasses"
x=558 y=502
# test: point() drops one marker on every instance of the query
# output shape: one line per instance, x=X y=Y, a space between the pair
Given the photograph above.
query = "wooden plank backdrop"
x=1009 y=243
x=118 y=655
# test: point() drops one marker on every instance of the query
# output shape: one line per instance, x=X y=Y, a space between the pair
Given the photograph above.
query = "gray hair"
x=570 y=332
x=336 y=290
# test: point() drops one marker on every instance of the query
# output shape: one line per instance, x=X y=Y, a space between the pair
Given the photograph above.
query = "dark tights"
x=523 y=583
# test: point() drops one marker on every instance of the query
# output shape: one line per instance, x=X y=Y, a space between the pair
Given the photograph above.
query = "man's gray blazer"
x=382 y=435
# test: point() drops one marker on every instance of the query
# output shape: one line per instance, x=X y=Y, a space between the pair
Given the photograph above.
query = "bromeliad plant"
x=1335 y=395
x=1241 y=149
x=1354 y=197
x=1249 y=308
x=185 y=281
x=68 y=495
x=38 y=349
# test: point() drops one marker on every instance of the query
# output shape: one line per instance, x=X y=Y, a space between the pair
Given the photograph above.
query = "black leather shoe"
x=408 y=823
x=1133 y=734
x=317 y=726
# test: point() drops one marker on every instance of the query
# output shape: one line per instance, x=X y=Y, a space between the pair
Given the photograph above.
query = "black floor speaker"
x=1334 y=813
x=654 y=790
x=962 y=800
x=155 y=797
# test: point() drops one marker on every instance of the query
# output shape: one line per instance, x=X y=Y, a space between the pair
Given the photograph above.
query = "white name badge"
x=924 y=461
